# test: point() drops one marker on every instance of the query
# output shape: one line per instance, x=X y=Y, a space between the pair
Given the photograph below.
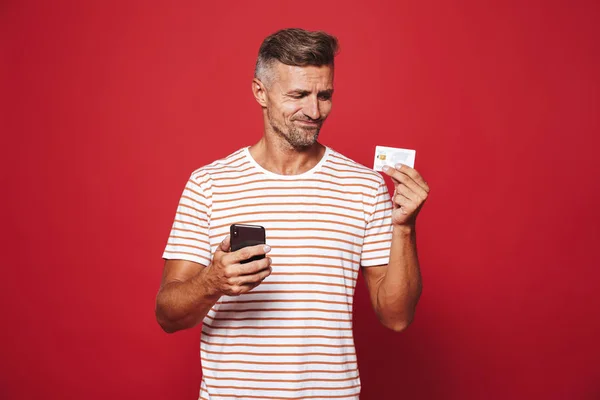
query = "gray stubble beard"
x=294 y=135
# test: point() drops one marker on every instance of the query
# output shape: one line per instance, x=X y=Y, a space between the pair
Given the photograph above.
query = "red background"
x=110 y=106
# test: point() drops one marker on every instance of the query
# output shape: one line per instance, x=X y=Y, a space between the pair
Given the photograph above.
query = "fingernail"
x=398 y=166
x=385 y=168
x=267 y=248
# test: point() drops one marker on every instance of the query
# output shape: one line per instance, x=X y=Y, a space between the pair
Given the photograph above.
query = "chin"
x=306 y=144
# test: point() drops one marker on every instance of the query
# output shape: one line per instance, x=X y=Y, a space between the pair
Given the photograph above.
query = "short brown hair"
x=296 y=47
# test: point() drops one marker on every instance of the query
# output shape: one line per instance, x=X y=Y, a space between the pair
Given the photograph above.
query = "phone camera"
x=235 y=233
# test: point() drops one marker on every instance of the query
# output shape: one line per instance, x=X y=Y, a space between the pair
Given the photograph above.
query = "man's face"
x=299 y=101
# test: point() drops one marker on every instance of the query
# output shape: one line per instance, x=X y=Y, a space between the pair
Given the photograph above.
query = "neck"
x=278 y=158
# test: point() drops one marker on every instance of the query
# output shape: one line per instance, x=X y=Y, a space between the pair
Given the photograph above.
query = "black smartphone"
x=247 y=235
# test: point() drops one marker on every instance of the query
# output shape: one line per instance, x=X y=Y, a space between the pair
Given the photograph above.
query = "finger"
x=414 y=175
x=395 y=181
x=226 y=244
x=397 y=194
x=248 y=287
x=236 y=290
x=404 y=204
x=401 y=173
x=247 y=252
x=402 y=201
x=401 y=177
x=406 y=192
x=411 y=185
x=254 y=278
x=249 y=268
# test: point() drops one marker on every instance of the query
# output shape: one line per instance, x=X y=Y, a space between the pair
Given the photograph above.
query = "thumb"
x=225 y=244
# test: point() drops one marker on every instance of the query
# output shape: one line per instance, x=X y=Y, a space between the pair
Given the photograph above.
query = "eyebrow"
x=307 y=92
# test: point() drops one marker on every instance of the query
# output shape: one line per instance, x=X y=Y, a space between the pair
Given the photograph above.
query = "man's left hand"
x=410 y=194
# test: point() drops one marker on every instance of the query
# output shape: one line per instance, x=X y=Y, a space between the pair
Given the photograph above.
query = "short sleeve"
x=189 y=238
x=378 y=233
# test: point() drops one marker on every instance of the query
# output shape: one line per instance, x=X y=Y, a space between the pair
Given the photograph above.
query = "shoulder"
x=227 y=164
x=342 y=164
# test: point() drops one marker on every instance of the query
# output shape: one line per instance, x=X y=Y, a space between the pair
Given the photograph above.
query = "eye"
x=325 y=97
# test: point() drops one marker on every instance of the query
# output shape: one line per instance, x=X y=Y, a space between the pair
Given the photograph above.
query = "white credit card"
x=392 y=156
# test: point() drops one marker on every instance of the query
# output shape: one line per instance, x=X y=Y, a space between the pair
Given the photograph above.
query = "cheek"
x=281 y=109
x=326 y=108
x=291 y=110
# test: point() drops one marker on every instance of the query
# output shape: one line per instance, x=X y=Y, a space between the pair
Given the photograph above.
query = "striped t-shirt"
x=291 y=336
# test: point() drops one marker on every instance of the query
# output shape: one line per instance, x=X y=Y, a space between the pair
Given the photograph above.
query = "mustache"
x=318 y=120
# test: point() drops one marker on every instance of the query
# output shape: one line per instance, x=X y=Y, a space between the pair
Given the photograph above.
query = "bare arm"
x=395 y=289
x=184 y=297
x=188 y=290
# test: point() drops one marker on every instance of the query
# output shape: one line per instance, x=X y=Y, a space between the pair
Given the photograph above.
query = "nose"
x=311 y=109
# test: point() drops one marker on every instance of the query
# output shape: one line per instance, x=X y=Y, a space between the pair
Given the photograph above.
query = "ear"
x=260 y=92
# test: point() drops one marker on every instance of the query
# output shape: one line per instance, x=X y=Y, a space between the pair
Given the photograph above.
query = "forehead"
x=307 y=76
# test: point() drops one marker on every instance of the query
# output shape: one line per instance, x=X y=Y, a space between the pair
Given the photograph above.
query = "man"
x=281 y=327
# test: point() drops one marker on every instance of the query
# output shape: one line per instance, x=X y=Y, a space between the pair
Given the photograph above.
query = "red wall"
x=109 y=107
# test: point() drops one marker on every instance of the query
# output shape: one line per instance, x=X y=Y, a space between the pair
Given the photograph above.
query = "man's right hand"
x=225 y=275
